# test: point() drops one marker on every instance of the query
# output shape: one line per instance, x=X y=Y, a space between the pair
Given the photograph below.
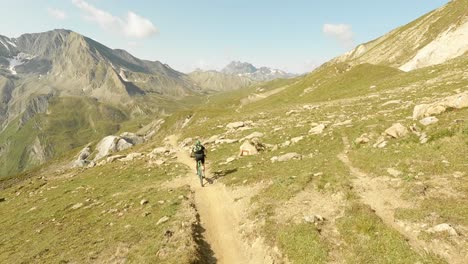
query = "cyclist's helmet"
x=198 y=143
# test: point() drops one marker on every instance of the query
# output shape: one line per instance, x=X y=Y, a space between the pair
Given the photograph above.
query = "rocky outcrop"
x=112 y=144
x=457 y=101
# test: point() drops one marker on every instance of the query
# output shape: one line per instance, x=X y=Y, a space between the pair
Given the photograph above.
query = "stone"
x=317 y=129
x=235 y=125
x=76 y=206
x=230 y=159
x=363 y=139
x=428 y=120
x=397 y=130
x=289 y=156
x=113 y=158
x=380 y=143
x=123 y=144
x=160 y=151
x=254 y=135
x=285 y=144
x=212 y=139
x=443 y=228
x=84 y=153
x=132 y=138
x=132 y=156
x=247 y=149
x=162 y=220
x=143 y=202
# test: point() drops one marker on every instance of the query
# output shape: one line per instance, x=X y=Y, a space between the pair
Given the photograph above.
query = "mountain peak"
x=258 y=74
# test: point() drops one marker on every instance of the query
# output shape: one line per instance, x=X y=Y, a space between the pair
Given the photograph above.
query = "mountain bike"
x=200 y=173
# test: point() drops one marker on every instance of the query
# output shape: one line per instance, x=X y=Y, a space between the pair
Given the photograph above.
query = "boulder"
x=428 y=120
x=247 y=149
x=123 y=144
x=457 y=101
x=212 y=139
x=317 y=129
x=380 y=143
x=397 y=130
x=132 y=138
x=235 y=125
x=186 y=142
x=105 y=146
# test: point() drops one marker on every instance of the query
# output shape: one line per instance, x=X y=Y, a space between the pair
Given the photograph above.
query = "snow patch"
x=11 y=43
x=448 y=45
x=122 y=75
x=4 y=45
x=19 y=59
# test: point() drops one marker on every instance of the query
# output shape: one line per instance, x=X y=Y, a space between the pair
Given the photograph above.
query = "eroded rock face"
x=457 y=101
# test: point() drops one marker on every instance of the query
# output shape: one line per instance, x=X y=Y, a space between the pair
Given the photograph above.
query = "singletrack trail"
x=220 y=217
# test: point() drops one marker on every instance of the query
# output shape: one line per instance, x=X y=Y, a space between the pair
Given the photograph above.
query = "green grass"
x=39 y=223
x=371 y=241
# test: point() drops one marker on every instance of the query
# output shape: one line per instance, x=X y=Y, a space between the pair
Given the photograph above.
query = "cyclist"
x=199 y=152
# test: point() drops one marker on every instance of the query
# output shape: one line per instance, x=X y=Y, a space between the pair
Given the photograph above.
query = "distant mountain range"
x=245 y=69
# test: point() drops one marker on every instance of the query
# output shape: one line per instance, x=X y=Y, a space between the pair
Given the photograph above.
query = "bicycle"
x=200 y=173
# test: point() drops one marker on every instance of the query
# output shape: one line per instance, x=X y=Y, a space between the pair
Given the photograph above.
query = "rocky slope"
x=39 y=71
x=432 y=39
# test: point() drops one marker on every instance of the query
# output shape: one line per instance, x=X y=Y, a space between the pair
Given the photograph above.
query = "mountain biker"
x=199 y=152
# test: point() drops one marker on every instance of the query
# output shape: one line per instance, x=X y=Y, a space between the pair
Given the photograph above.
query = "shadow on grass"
x=222 y=173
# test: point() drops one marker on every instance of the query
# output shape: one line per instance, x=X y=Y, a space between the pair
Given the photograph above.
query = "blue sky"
x=295 y=35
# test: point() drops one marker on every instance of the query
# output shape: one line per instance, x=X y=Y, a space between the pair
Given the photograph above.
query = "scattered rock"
x=317 y=174
x=394 y=172
x=123 y=144
x=317 y=129
x=429 y=120
x=162 y=220
x=132 y=138
x=235 y=125
x=230 y=159
x=143 y=202
x=106 y=146
x=380 y=143
x=211 y=140
x=423 y=138
x=397 y=130
x=443 y=228
x=285 y=144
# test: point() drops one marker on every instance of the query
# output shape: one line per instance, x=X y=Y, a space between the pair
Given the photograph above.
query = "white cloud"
x=132 y=26
x=341 y=32
x=56 y=13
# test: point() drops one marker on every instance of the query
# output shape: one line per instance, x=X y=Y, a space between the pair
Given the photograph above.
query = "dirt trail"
x=376 y=193
x=221 y=217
